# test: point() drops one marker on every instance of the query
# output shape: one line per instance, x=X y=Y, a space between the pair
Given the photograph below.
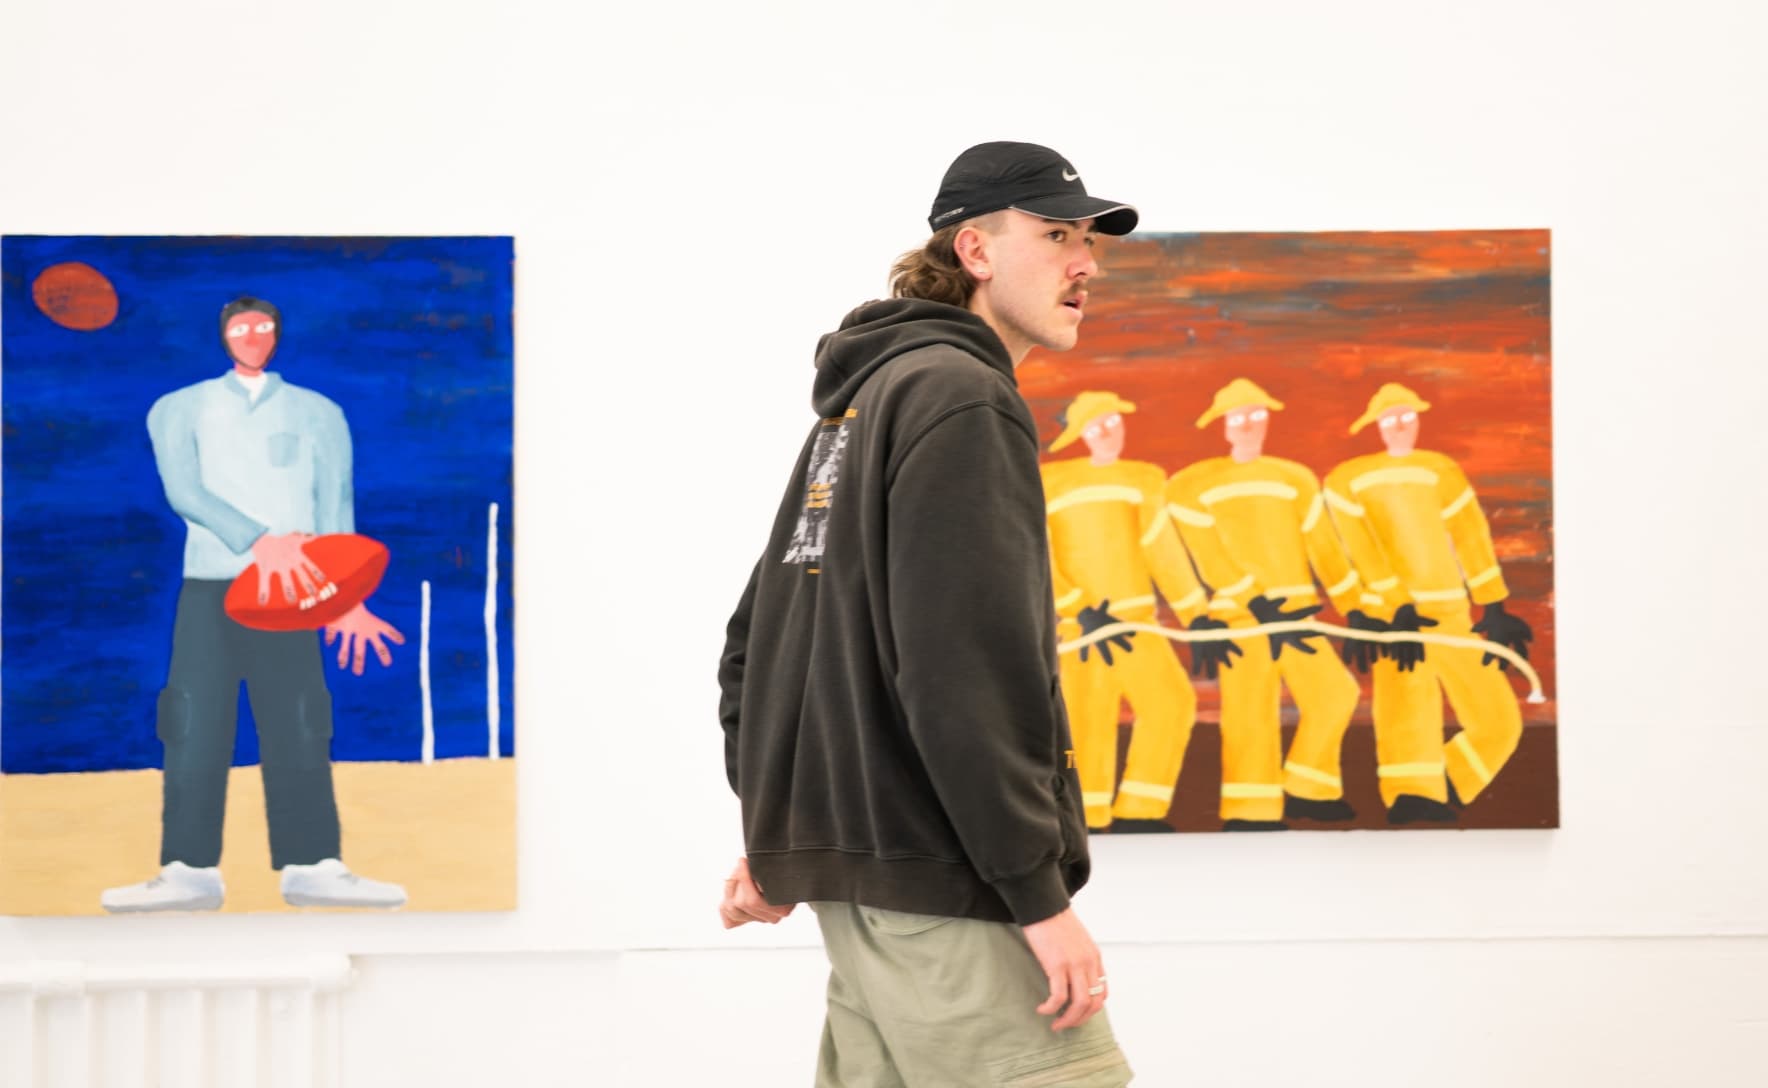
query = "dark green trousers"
x=198 y=712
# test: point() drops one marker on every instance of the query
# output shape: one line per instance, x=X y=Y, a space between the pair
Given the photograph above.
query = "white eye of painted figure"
x=1094 y=431
x=1390 y=422
x=234 y=332
x=265 y=326
x=1236 y=419
x=1409 y=417
x=1114 y=421
x=1260 y=414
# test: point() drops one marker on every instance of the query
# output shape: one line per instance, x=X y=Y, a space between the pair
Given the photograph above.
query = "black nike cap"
x=1027 y=177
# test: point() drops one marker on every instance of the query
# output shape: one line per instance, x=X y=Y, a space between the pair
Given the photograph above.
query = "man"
x=1111 y=543
x=892 y=720
x=1415 y=531
x=254 y=466
x=1258 y=529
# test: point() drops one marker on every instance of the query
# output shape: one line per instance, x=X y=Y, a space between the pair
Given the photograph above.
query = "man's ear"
x=972 y=249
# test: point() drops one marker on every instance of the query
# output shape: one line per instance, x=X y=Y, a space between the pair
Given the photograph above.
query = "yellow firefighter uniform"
x=1260 y=528
x=1416 y=534
x=1111 y=541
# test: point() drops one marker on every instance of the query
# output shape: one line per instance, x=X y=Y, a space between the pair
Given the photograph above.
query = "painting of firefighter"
x=1299 y=491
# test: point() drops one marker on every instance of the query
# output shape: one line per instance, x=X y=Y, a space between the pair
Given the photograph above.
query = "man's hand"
x=743 y=902
x=281 y=558
x=360 y=629
x=1070 y=959
x=1209 y=658
x=1407 y=655
x=1266 y=610
x=1360 y=653
x=1499 y=626
x=1092 y=619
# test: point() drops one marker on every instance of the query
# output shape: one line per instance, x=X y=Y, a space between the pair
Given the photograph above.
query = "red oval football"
x=353 y=563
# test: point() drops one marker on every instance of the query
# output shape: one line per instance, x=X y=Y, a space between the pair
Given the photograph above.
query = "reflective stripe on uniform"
x=1237 y=588
x=1342 y=504
x=1249 y=791
x=1380 y=476
x=1248 y=489
x=1315 y=509
x=1483 y=577
x=1146 y=789
x=1192 y=600
x=1301 y=770
x=1082 y=496
x=1460 y=501
x=1422 y=595
x=1408 y=770
x=1474 y=762
x=1189 y=517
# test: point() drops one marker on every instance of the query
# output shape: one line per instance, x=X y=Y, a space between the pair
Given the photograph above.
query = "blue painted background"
x=411 y=337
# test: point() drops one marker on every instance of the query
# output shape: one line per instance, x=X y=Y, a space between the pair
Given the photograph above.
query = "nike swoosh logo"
x=1066 y=176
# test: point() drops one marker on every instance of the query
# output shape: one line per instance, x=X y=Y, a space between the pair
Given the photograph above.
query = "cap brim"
x=1109 y=218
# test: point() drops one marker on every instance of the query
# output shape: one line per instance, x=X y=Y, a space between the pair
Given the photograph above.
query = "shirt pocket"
x=284 y=448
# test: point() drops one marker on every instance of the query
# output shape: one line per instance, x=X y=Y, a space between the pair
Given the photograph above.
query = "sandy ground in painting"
x=446 y=831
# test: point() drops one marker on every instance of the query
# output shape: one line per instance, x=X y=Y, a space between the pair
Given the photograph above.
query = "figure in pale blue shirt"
x=254 y=466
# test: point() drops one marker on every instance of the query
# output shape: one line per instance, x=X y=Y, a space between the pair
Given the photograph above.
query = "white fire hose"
x=1221 y=634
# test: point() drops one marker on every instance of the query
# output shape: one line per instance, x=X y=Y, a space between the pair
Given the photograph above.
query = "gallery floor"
x=444 y=830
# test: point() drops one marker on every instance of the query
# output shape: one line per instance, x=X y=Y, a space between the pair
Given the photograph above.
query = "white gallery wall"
x=698 y=191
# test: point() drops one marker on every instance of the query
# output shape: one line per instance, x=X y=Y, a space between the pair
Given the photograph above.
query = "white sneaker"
x=330 y=884
x=178 y=887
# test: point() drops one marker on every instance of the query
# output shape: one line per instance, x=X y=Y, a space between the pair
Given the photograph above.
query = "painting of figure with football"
x=255 y=477
x=255 y=466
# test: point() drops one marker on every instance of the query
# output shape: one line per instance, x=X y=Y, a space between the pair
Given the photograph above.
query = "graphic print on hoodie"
x=819 y=490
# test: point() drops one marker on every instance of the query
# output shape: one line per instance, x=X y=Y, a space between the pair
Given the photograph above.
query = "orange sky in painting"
x=1321 y=321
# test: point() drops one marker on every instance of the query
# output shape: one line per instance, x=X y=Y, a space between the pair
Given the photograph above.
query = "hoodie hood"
x=877 y=332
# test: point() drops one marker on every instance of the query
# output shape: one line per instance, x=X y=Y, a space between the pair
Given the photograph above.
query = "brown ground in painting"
x=1524 y=794
x=445 y=831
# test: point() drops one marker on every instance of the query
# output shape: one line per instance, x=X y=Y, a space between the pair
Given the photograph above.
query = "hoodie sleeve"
x=730 y=674
x=970 y=608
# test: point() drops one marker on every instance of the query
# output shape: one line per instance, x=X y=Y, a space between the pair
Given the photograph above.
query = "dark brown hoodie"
x=892 y=720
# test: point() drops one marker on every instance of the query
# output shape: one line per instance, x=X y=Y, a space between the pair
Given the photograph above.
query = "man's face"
x=1399 y=429
x=1037 y=282
x=1247 y=427
x=1104 y=437
x=250 y=337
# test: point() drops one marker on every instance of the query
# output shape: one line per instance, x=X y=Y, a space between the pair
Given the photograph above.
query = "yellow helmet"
x=1239 y=393
x=1386 y=399
x=1084 y=409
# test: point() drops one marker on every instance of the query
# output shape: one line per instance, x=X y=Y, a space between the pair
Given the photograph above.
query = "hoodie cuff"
x=1037 y=895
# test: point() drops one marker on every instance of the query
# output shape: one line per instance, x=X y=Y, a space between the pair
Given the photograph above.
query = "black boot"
x=1337 y=810
x=1255 y=825
x=1139 y=827
x=1409 y=808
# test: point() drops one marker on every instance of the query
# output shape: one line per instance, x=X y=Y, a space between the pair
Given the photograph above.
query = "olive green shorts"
x=921 y=1001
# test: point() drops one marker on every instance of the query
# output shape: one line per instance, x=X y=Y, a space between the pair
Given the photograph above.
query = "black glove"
x=1207 y=658
x=1091 y=619
x=1360 y=653
x=1506 y=630
x=1266 y=610
x=1407 y=655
